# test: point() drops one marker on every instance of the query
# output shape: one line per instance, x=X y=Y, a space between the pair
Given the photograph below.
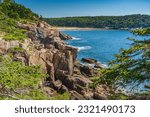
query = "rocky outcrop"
x=88 y=71
x=92 y=62
x=89 y=60
x=5 y=45
x=64 y=36
x=45 y=47
x=147 y=86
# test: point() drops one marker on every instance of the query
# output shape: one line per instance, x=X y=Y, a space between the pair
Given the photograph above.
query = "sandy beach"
x=78 y=28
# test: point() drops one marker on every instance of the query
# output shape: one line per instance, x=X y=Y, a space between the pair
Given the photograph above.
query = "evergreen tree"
x=16 y=11
x=131 y=65
x=109 y=22
x=8 y=1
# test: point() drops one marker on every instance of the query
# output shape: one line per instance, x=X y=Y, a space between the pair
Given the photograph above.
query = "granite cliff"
x=45 y=46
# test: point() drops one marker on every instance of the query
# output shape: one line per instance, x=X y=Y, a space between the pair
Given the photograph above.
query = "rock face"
x=5 y=45
x=50 y=51
x=92 y=61
x=64 y=36
x=88 y=71
x=45 y=47
x=89 y=60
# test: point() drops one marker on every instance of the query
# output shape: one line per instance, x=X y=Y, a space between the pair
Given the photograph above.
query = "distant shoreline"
x=79 y=28
x=86 y=28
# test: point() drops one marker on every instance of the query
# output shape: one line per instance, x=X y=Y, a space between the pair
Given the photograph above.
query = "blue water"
x=99 y=44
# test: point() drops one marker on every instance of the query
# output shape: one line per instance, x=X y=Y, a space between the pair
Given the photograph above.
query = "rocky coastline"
x=45 y=46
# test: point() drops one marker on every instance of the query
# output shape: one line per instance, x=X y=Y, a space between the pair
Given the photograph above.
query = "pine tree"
x=131 y=65
x=8 y=1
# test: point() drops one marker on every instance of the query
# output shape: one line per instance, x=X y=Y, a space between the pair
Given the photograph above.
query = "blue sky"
x=64 y=8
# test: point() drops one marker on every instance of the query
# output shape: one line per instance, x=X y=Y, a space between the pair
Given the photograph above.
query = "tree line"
x=110 y=22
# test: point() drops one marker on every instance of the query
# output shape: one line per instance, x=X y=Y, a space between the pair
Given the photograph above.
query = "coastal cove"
x=102 y=45
x=98 y=44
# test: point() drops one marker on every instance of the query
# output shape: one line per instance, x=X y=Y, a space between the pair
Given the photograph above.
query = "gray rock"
x=147 y=86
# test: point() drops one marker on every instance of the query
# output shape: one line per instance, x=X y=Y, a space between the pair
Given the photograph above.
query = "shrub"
x=14 y=75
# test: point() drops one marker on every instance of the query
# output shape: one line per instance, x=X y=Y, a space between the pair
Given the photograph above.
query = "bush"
x=14 y=76
x=11 y=32
x=10 y=14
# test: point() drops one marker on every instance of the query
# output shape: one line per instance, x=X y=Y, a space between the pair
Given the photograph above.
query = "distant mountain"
x=110 y=22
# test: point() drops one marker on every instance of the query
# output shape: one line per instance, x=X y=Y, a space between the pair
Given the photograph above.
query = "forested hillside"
x=12 y=10
x=111 y=22
x=10 y=14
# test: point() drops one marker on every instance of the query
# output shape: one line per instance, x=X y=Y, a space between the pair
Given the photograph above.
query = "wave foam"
x=75 y=38
x=84 y=48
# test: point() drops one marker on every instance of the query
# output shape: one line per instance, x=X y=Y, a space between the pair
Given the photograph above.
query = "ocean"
x=99 y=44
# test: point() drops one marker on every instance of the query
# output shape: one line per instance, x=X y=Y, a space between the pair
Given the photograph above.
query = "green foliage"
x=94 y=78
x=111 y=22
x=119 y=96
x=11 y=32
x=17 y=81
x=95 y=81
x=15 y=75
x=131 y=65
x=142 y=32
x=64 y=96
x=16 y=35
x=10 y=14
x=142 y=94
x=35 y=94
x=8 y=1
x=16 y=11
x=16 y=49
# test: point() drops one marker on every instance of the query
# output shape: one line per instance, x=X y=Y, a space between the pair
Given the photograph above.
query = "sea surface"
x=99 y=44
